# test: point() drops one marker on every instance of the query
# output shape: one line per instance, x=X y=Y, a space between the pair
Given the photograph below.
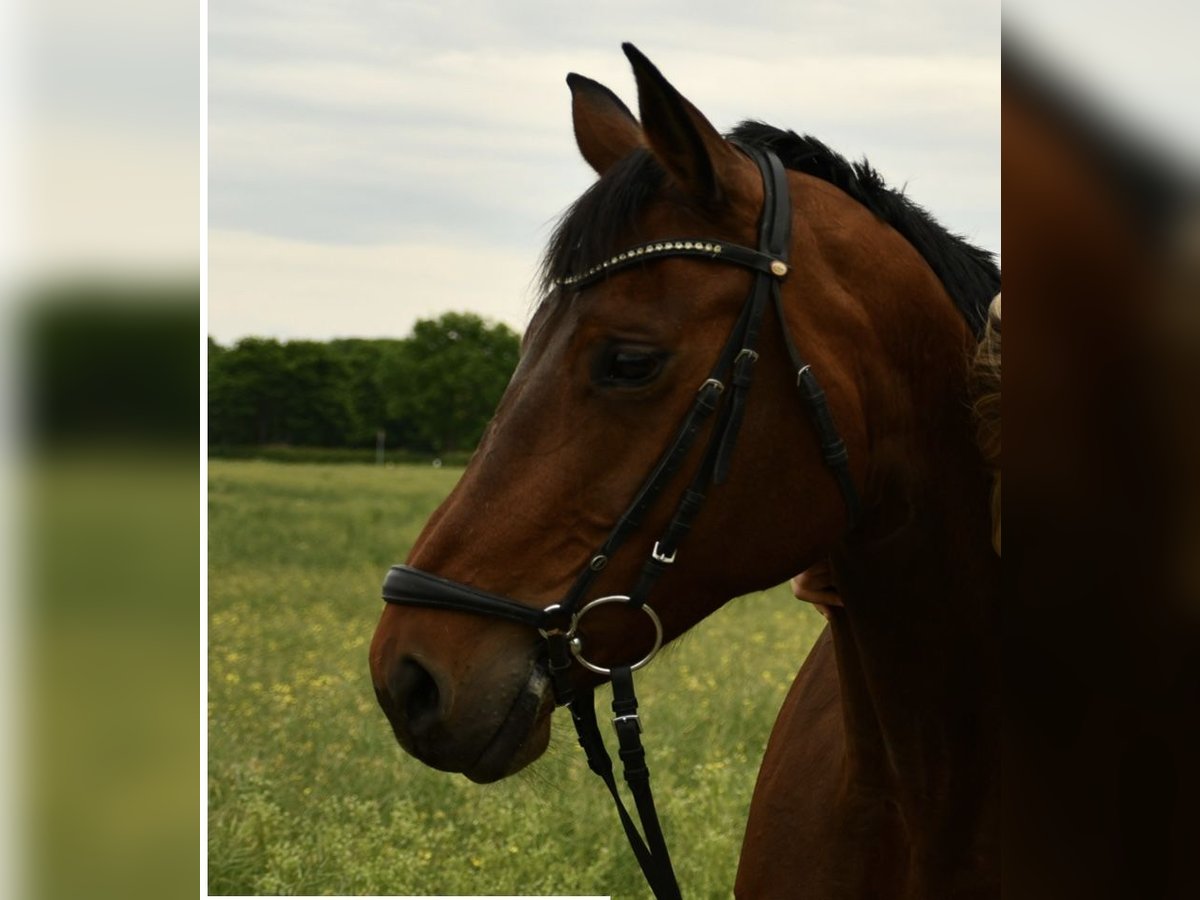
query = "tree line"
x=432 y=392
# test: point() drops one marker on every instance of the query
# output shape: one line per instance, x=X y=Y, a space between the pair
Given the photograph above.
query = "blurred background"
x=1102 y=616
x=105 y=347
x=101 y=477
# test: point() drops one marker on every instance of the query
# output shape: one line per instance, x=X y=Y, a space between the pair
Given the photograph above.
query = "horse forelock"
x=592 y=227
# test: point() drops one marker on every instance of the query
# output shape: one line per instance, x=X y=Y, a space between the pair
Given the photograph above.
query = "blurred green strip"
x=112 y=494
x=113 y=361
x=113 y=736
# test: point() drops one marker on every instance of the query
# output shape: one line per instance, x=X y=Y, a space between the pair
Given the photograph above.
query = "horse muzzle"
x=487 y=725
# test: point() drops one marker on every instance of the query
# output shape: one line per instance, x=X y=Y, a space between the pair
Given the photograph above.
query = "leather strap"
x=650 y=845
x=707 y=398
x=412 y=587
x=833 y=448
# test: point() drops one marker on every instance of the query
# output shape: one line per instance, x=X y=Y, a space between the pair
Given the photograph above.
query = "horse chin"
x=523 y=735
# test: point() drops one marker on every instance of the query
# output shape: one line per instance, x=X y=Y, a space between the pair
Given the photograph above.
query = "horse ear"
x=605 y=129
x=682 y=139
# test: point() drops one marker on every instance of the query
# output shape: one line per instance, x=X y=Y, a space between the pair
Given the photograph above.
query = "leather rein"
x=729 y=380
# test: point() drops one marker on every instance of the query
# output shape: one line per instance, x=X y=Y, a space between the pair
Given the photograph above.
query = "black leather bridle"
x=729 y=380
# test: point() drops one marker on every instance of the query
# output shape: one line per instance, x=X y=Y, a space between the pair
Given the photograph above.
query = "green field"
x=308 y=791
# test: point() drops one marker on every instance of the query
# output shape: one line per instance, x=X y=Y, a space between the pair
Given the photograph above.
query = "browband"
x=721 y=251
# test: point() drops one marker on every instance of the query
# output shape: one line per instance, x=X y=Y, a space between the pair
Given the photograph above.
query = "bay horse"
x=881 y=778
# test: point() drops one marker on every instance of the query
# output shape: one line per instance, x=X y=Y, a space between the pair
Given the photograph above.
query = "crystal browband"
x=733 y=253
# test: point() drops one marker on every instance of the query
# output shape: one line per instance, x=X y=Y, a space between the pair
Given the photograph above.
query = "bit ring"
x=577 y=649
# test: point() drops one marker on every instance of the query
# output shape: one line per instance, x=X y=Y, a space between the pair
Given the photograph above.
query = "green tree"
x=365 y=360
x=445 y=380
x=247 y=389
x=317 y=406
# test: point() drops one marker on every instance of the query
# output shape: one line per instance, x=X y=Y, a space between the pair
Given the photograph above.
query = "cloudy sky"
x=371 y=163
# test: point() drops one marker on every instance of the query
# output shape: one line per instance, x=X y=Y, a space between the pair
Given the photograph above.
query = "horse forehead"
x=666 y=302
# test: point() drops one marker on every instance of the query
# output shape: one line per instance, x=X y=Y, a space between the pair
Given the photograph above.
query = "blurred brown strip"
x=1101 y=632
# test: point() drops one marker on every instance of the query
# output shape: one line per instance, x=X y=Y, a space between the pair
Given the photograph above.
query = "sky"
x=372 y=163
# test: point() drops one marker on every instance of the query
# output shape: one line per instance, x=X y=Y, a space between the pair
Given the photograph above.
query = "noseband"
x=729 y=380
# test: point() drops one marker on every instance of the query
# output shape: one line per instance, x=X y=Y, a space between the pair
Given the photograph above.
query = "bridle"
x=729 y=379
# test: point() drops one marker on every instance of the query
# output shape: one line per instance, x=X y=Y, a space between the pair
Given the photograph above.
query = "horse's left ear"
x=605 y=129
x=682 y=139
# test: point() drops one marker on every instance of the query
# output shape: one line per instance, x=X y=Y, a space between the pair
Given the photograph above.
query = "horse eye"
x=626 y=367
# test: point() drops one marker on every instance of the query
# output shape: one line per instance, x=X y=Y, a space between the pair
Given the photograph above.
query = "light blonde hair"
x=985 y=392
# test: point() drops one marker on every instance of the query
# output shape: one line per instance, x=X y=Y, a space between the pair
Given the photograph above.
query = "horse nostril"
x=416 y=693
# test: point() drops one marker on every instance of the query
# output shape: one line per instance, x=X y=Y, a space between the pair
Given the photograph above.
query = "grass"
x=308 y=791
x=106 y=730
x=362 y=455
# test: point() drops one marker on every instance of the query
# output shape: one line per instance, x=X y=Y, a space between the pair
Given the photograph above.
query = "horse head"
x=622 y=343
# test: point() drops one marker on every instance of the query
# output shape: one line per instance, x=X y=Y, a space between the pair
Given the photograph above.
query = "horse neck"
x=916 y=638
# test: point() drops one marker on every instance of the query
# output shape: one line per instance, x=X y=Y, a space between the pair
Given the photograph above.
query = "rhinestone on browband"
x=654 y=248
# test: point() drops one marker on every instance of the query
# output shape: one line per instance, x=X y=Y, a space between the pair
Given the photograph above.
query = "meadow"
x=308 y=793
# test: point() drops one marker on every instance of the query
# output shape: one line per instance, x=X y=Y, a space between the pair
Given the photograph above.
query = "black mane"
x=592 y=229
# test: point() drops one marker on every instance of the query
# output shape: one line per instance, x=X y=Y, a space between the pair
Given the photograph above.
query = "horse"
x=826 y=374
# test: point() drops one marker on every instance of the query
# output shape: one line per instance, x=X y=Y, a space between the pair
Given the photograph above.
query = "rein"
x=729 y=380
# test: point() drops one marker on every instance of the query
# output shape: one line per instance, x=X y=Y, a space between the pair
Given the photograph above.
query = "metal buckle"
x=714 y=382
x=577 y=645
x=746 y=353
x=547 y=632
x=661 y=557
x=632 y=717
